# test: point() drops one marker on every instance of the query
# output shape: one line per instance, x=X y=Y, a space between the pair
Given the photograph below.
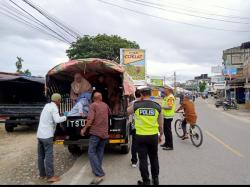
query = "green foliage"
x=27 y=72
x=19 y=66
x=100 y=46
x=202 y=86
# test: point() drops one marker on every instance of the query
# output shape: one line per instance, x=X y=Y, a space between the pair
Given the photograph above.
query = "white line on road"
x=236 y=152
x=77 y=178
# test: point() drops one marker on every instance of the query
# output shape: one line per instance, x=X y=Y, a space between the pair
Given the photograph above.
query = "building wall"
x=238 y=58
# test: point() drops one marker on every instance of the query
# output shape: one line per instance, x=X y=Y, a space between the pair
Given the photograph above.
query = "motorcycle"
x=219 y=103
x=230 y=104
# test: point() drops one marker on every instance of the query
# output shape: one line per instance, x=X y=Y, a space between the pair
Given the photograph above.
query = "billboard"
x=230 y=71
x=135 y=63
x=157 y=82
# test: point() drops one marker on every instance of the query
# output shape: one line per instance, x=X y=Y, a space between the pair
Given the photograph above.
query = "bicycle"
x=195 y=132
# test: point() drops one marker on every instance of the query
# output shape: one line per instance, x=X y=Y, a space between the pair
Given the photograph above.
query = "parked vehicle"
x=119 y=84
x=21 y=100
x=219 y=102
x=230 y=104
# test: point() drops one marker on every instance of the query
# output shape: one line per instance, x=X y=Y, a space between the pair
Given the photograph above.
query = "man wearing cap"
x=45 y=134
x=149 y=131
x=168 y=107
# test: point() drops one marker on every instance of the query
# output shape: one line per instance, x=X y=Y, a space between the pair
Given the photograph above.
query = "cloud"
x=170 y=46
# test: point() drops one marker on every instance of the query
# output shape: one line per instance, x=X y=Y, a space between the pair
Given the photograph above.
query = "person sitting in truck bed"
x=81 y=108
x=80 y=86
x=101 y=87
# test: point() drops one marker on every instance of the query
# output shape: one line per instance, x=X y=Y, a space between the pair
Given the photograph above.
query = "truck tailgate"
x=21 y=110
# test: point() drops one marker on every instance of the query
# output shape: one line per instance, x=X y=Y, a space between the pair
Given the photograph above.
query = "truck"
x=119 y=84
x=21 y=100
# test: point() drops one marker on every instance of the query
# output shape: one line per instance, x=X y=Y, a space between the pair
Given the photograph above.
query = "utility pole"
x=175 y=86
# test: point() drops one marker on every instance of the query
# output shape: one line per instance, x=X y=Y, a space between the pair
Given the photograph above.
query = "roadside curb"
x=75 y=173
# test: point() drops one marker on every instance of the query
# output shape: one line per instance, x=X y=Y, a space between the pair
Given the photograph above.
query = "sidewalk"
x=241 y=113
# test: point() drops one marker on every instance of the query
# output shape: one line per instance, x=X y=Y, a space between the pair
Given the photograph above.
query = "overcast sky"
x=170 y=46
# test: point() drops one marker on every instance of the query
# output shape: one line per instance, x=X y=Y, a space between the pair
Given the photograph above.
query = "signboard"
x=135 y=63
x=230 y=71
x=157 y=82
x=217 y=69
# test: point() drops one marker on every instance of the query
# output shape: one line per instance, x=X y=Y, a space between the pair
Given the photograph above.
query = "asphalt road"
x=224 y=158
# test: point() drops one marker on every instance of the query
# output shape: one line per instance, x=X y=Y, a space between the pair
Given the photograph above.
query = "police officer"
x=149 y=132
x=168 y=108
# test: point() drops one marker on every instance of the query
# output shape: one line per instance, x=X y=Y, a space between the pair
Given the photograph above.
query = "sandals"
x=96 y=181
x=185 y=137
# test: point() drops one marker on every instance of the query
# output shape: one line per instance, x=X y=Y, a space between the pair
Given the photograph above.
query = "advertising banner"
x=135 y=63
x=157 y=82
x=230 y=71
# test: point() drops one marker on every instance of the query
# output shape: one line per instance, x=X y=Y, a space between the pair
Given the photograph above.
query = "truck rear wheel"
x=9 y=128
x=125 y=149
x=75 y=150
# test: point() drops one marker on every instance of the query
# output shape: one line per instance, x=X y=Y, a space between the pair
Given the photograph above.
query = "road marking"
x=236 y=152
x=79 y=176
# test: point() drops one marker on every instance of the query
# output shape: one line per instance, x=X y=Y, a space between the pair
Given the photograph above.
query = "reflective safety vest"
x=146 y=117
x=169 y=101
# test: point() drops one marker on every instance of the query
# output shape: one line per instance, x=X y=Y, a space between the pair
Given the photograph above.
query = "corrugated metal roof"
x=4 y=76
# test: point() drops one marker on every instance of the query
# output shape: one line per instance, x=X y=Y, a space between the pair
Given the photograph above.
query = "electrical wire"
x=192 y=9
x=170 y=20
x=25 y=22
x=187 y=14
x=65 y=26
x=48 y=17
x=8 y=7
x=46 y=26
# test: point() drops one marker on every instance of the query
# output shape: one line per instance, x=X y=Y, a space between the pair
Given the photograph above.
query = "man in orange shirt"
x=190 y=115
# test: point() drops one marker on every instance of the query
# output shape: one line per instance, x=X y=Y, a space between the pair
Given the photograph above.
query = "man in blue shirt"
x=81 y=108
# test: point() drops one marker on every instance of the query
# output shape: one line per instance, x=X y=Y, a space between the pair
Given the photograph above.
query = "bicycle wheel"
x=196 y=135
x=178 y=128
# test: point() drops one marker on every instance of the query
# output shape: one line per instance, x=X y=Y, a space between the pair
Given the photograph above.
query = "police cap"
x=144 y=88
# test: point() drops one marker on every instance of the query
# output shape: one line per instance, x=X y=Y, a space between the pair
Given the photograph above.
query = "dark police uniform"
x=147 y=129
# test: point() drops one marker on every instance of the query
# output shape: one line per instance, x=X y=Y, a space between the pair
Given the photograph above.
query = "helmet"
x=144 y=88
x=169 y=87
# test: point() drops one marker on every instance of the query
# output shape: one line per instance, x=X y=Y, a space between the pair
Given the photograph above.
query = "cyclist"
x=190 y=115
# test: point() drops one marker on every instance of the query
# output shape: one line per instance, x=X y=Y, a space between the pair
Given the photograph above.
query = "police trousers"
x=147 y=146
x=168 y=133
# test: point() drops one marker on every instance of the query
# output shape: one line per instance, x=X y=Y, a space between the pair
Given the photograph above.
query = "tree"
x=100 y=46
x=202 y=86
x=27 y=72
x=19 y=65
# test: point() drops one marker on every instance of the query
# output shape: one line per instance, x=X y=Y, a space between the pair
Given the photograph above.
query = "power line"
x=25 y=22
x=15 y=14
x=8 y=7
x=187 y=14
x=222 y=7
x=49 y=18
x=66 y=40
x=192 y=9
x=170 y=20
x=54 y=19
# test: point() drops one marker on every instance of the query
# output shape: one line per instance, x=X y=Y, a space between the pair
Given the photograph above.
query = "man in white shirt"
x=45 y=134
